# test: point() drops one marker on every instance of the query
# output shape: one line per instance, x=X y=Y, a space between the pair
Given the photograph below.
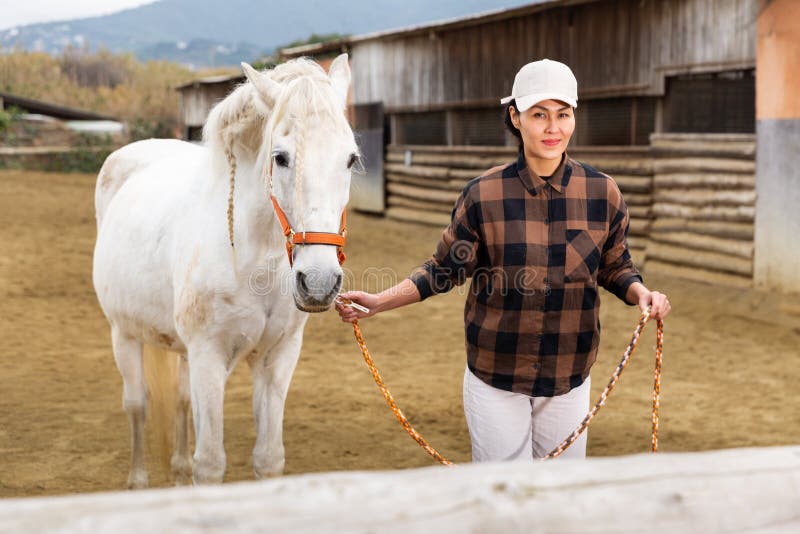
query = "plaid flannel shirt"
x=536 y=251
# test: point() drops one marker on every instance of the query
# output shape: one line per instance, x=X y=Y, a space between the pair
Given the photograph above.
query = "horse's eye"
x=281 y=160
x=352 y=161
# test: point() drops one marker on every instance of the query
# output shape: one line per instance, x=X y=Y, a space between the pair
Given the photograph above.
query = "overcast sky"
x=20 y=12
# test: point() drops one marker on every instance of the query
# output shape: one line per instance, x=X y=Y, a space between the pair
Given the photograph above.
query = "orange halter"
x=310 y=238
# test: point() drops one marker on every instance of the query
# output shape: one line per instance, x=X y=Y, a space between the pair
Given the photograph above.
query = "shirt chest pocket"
x=583 y=251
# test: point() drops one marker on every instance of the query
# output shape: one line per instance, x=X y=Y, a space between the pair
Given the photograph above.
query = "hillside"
x=224 y=32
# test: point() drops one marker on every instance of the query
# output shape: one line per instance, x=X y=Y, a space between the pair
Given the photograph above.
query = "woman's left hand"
x=658 y=302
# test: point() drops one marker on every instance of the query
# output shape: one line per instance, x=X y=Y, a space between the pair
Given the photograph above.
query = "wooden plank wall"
x=423 y=182
x=196 y=102
x=704 y=206
x=691 y=197
x=614 y=47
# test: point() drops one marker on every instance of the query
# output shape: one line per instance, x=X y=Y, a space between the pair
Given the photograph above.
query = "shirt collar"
x=534 y=183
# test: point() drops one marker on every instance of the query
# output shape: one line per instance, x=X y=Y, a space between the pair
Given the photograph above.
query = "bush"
x=140 y=93
x=146 y=129
x=7 y=118
x=83 y=159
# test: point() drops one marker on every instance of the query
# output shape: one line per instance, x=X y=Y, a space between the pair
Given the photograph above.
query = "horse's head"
x=309 y=149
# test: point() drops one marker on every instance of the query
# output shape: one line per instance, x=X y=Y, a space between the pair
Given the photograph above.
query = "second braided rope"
x=570 y=439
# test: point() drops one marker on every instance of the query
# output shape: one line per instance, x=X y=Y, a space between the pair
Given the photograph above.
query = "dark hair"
x=510 y=125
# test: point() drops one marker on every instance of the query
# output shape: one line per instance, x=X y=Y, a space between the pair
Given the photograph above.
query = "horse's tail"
x=161 y=373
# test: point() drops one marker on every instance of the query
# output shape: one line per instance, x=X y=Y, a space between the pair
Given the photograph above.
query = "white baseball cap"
x=543 y=80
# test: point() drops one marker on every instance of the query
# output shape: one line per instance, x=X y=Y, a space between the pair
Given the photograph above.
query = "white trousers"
x=506 y=426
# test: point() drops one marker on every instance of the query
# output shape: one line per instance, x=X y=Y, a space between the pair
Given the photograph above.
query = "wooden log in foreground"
x=737 y=490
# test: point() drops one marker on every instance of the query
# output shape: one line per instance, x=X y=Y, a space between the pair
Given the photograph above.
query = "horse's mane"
x=241 y=118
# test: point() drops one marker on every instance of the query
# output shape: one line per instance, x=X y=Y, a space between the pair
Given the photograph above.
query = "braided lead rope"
x=390 y=400
x=657 y=379
x=569 y=440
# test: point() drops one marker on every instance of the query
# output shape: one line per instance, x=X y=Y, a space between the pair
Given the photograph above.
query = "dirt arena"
x=730 y=377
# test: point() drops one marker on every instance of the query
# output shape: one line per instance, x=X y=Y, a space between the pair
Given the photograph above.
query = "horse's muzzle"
x=314 y=290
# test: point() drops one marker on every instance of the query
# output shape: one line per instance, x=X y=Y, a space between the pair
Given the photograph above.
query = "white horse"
x=173 y=271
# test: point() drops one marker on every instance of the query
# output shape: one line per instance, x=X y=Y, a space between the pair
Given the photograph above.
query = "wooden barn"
x=667 y=106
x=196 y=98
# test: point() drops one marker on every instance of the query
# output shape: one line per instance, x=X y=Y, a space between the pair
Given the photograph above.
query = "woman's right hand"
x=348 y=314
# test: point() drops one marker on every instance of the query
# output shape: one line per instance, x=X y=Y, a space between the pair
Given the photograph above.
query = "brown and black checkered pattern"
x=536 y=251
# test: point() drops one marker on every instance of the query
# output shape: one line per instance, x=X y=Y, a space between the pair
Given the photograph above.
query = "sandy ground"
x=730 y=369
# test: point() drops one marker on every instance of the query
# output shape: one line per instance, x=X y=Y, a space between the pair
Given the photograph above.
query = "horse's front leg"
x=207 y=376
x=272 y=371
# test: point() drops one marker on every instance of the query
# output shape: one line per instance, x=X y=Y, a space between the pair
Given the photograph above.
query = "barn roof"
x=50 y=109
x=212 y=80
x=440 y=25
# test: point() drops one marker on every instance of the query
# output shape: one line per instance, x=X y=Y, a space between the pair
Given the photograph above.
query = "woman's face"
x=546 y=128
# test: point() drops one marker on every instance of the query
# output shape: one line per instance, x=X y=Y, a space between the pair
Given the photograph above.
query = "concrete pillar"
x=777 y=225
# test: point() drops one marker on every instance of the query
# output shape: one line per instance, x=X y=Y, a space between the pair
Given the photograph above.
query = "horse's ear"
x=267 y=89
x=339 y=73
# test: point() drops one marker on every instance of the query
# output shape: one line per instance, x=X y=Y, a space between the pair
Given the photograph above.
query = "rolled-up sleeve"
x=456 y=254
x=617 y=271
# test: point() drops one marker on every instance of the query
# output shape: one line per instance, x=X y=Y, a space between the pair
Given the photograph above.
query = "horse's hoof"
x=268 y=474
x=181 y=470
x=269 y=471
x=182 y=479
x=207 y=475
x=137 y=480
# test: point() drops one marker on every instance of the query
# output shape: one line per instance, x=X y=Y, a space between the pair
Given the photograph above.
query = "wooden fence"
x=737 y=490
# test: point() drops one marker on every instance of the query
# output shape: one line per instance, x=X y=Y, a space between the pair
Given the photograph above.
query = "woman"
x=537 y=237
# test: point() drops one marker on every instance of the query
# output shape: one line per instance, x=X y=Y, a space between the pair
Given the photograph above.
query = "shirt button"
x=547 y=220
x=544 y=308
x=544 y=279
x=536 y=366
